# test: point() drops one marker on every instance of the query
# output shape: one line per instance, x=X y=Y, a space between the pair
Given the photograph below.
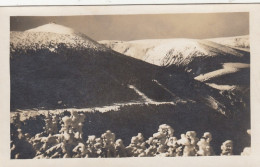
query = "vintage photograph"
x=139 y=85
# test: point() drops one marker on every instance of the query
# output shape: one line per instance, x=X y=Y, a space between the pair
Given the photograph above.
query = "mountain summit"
x=52 y=36
x=52 y=28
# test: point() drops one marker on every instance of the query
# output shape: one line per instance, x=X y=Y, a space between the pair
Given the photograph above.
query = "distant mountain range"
x=197 y=56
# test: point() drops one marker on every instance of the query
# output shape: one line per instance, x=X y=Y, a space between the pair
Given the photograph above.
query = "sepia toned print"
x=130 y=85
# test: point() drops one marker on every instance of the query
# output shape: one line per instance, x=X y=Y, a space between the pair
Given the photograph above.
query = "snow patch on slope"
x=221 y=87
x=228 y=68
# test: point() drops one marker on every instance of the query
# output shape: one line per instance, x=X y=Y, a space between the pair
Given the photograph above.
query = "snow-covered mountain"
x=51 y=36
x=55 y=66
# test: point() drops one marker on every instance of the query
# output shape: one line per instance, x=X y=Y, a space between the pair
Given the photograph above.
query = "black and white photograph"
x=121 y=86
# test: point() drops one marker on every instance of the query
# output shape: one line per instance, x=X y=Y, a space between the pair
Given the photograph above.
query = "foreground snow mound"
x=165 y=52
x=51 y=36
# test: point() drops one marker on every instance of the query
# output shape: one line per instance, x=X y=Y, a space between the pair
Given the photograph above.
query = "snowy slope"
x=241 y=42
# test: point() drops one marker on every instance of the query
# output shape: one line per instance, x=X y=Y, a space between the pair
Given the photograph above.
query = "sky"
x=135 y=27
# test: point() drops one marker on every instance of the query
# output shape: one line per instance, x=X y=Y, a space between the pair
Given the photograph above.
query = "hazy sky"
x=133 y=27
